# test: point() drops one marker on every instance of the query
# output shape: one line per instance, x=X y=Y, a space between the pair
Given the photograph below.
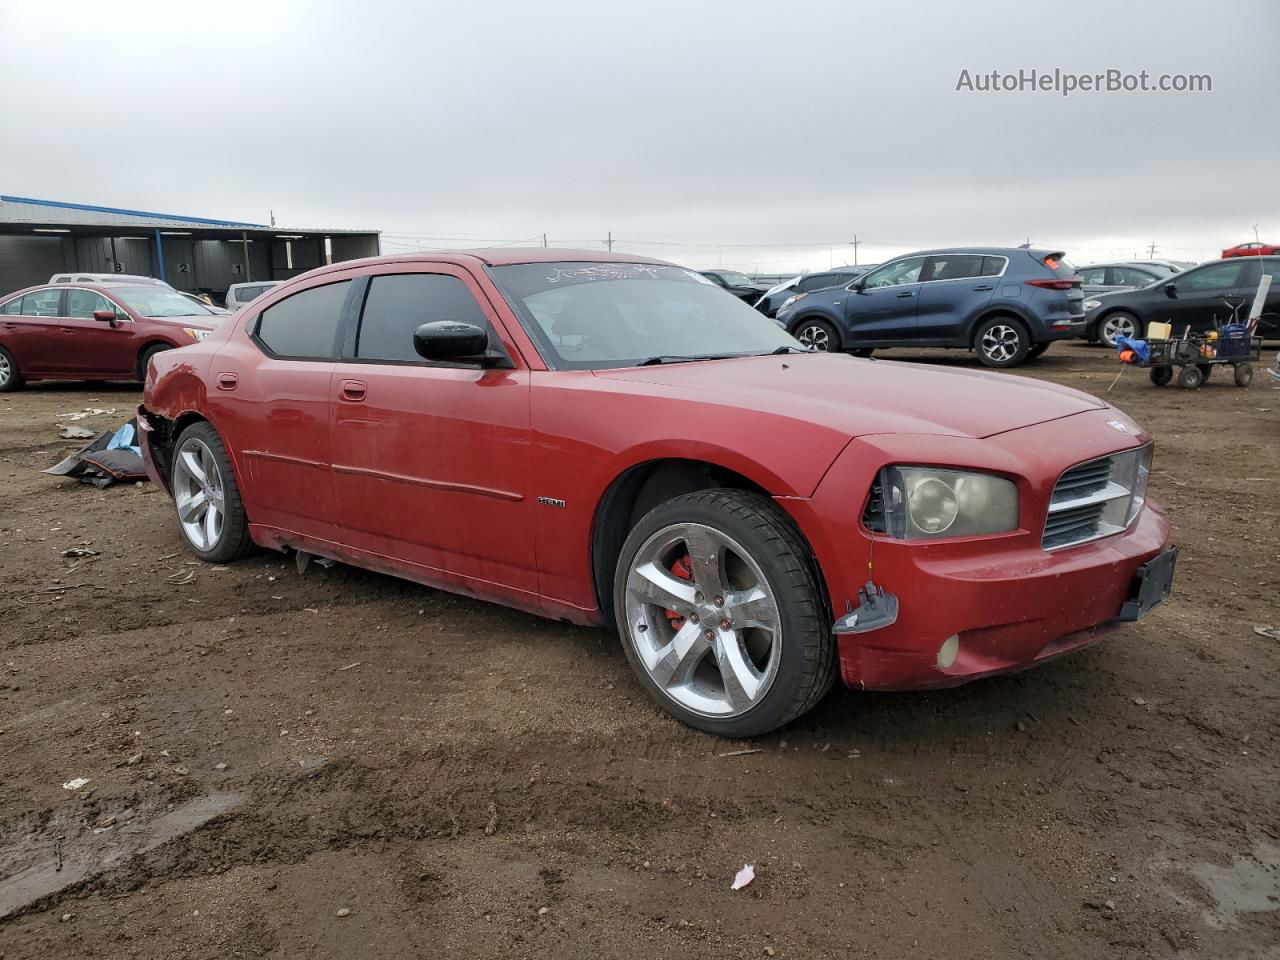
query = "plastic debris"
x=744 y=876
x=1272 y=632
x=75 y=784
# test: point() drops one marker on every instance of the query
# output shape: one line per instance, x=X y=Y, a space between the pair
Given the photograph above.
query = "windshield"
x=600 y=315
x=734 y=279
x=159 y=302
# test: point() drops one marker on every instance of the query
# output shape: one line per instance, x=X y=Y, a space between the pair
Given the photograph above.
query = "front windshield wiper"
x=785 y=349
x=676 y=358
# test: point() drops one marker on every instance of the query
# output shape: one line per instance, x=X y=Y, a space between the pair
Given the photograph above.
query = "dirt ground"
x=403 y=773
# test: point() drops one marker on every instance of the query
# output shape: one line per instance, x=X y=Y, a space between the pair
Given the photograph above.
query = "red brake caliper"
x=683 y=569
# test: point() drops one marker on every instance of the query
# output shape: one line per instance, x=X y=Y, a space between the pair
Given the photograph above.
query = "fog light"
x=948 y=652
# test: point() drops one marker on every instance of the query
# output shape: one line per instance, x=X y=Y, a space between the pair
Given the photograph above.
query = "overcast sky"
x=749 y=134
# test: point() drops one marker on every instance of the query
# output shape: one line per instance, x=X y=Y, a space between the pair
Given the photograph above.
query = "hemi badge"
x=552 y=502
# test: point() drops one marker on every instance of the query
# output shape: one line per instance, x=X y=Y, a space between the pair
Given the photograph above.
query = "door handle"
x=68 y=329
x=227 y=381
x=353 y=390
x=905 y=294
x=985 y=286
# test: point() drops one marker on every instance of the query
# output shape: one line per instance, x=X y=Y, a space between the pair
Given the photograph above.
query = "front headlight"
x=914 y=503
x=196 y=334
x=1092 y=305
x=790 y=300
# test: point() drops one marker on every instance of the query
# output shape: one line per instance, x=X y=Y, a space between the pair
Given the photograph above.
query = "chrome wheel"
x=814 y=336
x=703 y=620
x=1117 y=325
x=1000 y=342
x=6 y=370
x=199 y=493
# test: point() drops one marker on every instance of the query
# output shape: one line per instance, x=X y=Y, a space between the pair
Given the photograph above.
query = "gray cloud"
x=747 y=133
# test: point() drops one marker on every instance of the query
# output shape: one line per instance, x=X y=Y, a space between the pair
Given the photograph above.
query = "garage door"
x=25 y=261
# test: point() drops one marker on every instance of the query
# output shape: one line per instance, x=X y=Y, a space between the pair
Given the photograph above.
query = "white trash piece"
x=75 y=784
x=744 y=876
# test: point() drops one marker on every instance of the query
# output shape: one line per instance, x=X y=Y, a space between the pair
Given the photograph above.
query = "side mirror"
x=858 y=284
x=1171 y=291
x=452 y=340
x=105 y=316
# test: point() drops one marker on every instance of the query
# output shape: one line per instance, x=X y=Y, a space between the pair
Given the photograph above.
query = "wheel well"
x=992 y=315
x=637 y=491
x=163 y=435
x=139 y=368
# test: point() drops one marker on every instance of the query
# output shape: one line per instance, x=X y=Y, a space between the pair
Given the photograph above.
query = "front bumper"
x=972 y=607
x=1003 y=619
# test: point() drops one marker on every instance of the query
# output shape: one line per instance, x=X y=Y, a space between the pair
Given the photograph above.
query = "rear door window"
x=43 y=303
x=305 y=325
x=398 y=304
x=1095 y=276
x=952 y=266
x=1129 y=276
x=993 y=266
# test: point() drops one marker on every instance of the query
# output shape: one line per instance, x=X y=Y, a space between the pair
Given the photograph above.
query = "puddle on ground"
x=92 y=854
x=1251 y=884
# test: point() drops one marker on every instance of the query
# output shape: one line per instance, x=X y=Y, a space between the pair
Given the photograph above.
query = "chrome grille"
x=1096 y=499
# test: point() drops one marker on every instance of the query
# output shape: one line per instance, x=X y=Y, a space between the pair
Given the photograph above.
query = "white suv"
x=241 y=293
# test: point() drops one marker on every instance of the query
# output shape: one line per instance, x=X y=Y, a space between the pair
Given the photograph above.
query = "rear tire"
x=1244 y=374
x=1038 y=350
x=10 y=375
x=680 y=625
x=1190 y=377
x=1161 y=376
x=863 y=352
x=203 y=483
x=818 y=335
x=1001 y=342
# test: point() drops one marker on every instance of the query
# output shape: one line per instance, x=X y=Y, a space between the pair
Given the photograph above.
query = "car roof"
x=489 y=257
x=1040 y=252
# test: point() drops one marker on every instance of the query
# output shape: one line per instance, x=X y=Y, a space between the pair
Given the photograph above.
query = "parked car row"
x=778 y=296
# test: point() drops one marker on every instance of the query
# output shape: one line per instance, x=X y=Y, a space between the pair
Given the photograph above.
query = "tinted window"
x=82 y=303
x=304 y=325
x=41 y=304
x=892 y=274
x=1220 y=276
x=952 y=266
x=12 y=307
x=819 y=282
x=1131 y=276
x=397 y=305
x=245 y=294
x=993 y=266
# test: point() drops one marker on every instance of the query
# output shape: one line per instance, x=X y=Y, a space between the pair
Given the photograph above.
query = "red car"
x=97 y=331
x=609 y=439
x=1251 y=250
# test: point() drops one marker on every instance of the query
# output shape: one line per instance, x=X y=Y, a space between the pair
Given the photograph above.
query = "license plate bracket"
x=1151 y=585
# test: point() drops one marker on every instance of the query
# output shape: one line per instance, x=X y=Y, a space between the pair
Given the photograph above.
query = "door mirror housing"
x=1171 y=291
x=105 y=316
x=858 y=284
x=454 y=341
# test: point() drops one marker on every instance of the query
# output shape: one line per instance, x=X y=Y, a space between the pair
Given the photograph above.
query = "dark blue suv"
x=1005 y=304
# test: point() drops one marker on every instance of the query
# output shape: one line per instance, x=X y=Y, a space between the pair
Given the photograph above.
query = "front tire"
x=818 y=335
x=1038 y=350
x=1001 y=342
x=720 y=613
x=144 y=358
x=211 y=515
x=1115 y=325
x=10 y=375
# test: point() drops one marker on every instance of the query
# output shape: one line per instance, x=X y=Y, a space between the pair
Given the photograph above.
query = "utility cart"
x=1196 y=354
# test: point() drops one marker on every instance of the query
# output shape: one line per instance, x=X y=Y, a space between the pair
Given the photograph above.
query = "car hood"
x=864 y=397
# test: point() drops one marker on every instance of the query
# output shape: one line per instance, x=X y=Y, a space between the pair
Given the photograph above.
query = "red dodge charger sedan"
x=612 y=439
x=98 y=331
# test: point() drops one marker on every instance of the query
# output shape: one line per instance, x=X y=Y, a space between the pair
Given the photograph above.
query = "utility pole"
x=273 y=217
x=854 y=243
x=544 y=241
x=1152 y=251
x=609 y=242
